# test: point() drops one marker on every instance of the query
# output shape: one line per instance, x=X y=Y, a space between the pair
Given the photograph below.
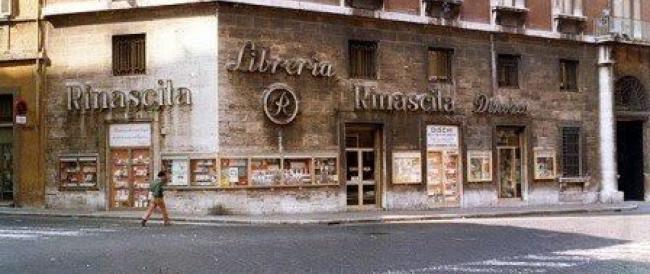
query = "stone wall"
x=180 y=46
x=402 y=67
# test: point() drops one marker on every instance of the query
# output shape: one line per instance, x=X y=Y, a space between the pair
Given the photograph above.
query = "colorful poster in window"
x=479 y=166
x=545 y=168
x=407 y=168
x=234 y=172
x=178 y=169
x=265 y=172
x=442 y=137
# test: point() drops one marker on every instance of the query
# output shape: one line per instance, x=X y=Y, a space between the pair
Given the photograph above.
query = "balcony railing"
x=623 y=29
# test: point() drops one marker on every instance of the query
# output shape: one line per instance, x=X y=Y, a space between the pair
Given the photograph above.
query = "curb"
x=340 y=221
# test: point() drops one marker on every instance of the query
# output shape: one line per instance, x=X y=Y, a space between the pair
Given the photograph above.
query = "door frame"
x=153 y=153
x=16 y=142
x=526 y=160
x=379 y=129
x=644 y=158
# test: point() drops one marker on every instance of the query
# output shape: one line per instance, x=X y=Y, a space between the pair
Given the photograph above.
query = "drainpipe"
x=493 y=56
x=608 y=173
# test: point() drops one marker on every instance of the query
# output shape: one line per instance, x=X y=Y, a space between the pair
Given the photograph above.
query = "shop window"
x=440 y=64
x=234 y=172
x=571 y=152
x=178 y=169
x=203 y=172
x=508 y=71
x=568 y=75
x=363 y=59
x=129 y=54
x=266 y=172
x=78 y=172
x=6 y=108
x=297 y=171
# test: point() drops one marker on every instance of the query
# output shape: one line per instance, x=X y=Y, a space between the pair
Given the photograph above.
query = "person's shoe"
x=143 y=222
x=167 y=224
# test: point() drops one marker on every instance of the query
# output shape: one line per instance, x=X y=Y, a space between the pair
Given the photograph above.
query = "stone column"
x=608 y=173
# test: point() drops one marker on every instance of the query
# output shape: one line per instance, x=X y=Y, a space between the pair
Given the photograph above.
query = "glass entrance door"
x=509 y=162
x=6 y=167
x=360 y=179
x=130 y=175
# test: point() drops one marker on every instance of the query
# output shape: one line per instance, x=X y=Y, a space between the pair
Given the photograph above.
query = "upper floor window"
x=508 y=70
x=5 y=8
x=363 y=59
x=571 y=152
x=630 y=9
x=511 y=3
x=569 y=7
x=366 y=4
x=569 y=75
x=440 y=64
x=129 y=54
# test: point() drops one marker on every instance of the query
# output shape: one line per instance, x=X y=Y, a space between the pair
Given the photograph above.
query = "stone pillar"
x=608 y=173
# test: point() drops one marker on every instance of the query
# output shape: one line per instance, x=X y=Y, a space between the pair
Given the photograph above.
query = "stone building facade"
x=21 y=85
x=296 y=107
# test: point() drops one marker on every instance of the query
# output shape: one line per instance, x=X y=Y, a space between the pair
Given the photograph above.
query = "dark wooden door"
x=629 y=147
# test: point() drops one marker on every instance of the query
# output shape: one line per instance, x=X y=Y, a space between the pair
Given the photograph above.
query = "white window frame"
x=8 y=12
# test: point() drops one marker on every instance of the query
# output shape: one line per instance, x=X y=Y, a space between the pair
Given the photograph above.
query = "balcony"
x=622 y=29
x=443 y=9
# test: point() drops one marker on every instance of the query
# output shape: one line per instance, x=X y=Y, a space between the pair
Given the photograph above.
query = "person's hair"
x=162 y=173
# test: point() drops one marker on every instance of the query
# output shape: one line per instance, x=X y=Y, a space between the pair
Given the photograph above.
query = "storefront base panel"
x=76 y=200
x=579 y=197
x=407 y=200
x=544 y=194
x=480 y=198
x=256 y=201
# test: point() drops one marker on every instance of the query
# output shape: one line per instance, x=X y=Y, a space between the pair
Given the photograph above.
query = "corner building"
x=280 y=107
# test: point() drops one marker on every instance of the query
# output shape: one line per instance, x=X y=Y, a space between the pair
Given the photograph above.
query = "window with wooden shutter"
x=129 y=54
x=508 y=71
x=363 y=59
x=571 y=152
x=440 y=64
x=569 y=75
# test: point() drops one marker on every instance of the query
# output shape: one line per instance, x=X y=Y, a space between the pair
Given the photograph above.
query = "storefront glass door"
x=130 y=175
x=509 y=161
x=361 y=167
x=361 y=177
x=443 y=165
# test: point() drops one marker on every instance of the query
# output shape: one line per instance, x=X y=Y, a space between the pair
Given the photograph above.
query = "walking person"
x=157 y=190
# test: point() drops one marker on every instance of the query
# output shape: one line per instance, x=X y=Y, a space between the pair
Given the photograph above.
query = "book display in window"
x=78 y=172
x=443 y=164
x=545 y=168
x=407 y=168
x=204 y=172
x=265 y=172
x=130 y=177
x=325 y=171
x=234 y=172
x=297 y=171
x=178 y=170
x=479 y=166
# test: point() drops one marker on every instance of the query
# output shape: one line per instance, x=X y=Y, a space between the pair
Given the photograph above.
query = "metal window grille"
x=568 y=75
x=571 y=154
x=129 y=54
x=363 y=59
x=440 y=64
x=508 y=71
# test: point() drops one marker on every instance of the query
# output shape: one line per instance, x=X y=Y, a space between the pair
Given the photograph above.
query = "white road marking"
x=543 y=263
x=26 y=233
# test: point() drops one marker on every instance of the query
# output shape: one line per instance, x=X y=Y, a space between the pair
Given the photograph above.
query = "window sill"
x=78 y=188
x=510 y=9
x=570 y=17
x=573 y=180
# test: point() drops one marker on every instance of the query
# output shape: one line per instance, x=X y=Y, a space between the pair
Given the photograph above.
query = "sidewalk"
x=341 y=217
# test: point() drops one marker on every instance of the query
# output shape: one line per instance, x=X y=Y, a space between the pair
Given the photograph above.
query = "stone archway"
x=632 y=105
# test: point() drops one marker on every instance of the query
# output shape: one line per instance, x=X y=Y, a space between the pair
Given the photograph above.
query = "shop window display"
x=407 y=168
x=297 y=171
x=78 y=172
x=325 y=171
x=443 y=165
x=178 y=169
x=130 y=176
x=234 y=172
x=204 y=172
x=266 y=172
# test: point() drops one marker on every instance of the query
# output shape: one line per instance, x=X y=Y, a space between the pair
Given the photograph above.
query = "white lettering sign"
x=130 y=135
x=442 y=137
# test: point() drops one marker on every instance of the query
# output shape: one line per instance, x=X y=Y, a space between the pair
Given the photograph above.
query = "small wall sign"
x=130 y=135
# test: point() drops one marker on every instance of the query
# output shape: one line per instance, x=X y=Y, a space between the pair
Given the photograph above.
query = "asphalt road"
x=618 y=243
